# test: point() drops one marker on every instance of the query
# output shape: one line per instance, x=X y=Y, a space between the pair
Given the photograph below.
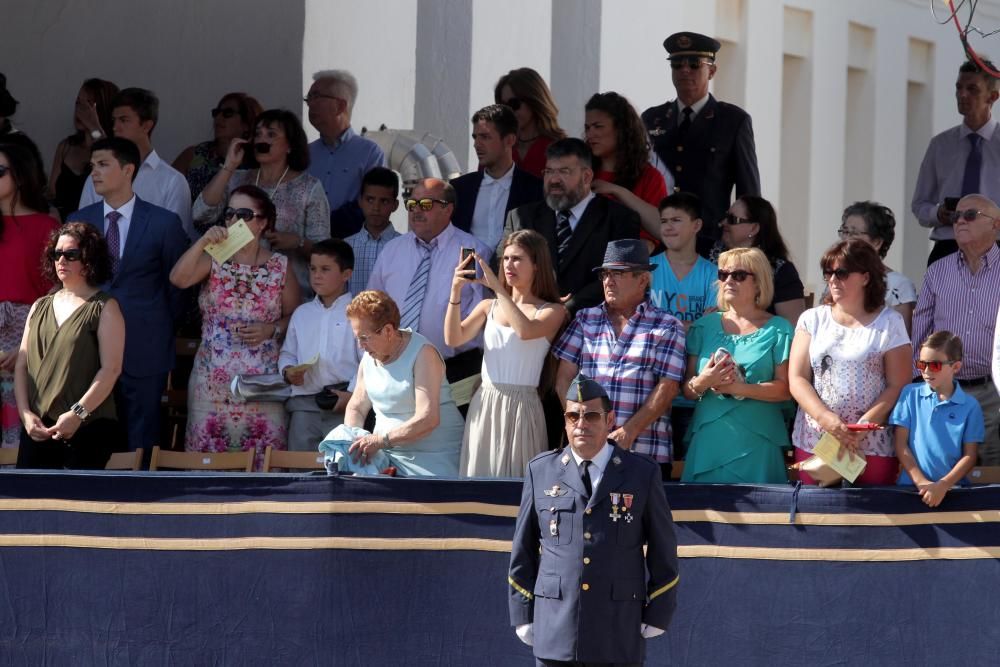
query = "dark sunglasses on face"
x=730 y=219
x=968 y=215
x=225 y=113
x=3 y=170
x=840 y=274
x=590 y=416
x=240 y=213
x=514 y=103
x=71 y=255
x=737 y=275
x=932 y=366
x=425 y=204
x=691 y=62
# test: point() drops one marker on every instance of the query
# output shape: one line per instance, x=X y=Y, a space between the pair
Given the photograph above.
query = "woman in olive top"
x=70 y=358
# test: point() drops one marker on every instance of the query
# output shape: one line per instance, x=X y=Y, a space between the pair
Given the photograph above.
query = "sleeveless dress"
x=505 y=426
x=391 y=391
x=236 y=294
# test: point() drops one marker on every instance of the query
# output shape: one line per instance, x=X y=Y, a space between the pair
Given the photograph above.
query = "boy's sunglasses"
x=71 y=255
x=738 y=275
x=591 y=416
x=933 y=366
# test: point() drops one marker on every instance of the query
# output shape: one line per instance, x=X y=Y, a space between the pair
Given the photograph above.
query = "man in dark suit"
x=144 y=242
x=593 y=522
x=486 y=195
x=576 y=223
x=707 y=145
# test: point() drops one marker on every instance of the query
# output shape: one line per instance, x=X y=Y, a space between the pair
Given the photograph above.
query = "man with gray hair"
x=340 y=158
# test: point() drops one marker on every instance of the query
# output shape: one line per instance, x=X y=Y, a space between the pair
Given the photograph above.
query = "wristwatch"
x=96 y=134
x=80 y=411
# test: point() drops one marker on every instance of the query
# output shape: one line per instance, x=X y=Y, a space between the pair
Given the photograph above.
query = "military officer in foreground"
x=706 y=145
x=579 y=592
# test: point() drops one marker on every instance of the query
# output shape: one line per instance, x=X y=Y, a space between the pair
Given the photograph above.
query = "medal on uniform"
x=615 y=497
x=627 y=501
x=554 y=527
x=554 y=491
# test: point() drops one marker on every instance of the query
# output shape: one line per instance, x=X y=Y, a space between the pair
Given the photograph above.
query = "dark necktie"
x=973 y=166
x=686 y=122
x=114 y=241
x=563 y=231
x=585 y=476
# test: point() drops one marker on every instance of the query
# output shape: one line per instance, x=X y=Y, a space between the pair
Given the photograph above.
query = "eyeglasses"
x=730 y=219
x=839 y=274
x=71 y=255
x=244 y=213
x=313 y=96
x=848 y=233
x=364 y=338
x=563 y=171
x=425 y=204
x=969 y=215
x=738 y=275
x=932 y=366
x=590 y=416
x=616 y=274
x=225 y=113
x=691 y=62
x=514 y=103
x=3 y=170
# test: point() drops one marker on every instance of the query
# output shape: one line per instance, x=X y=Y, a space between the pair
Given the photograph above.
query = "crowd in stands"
x=642 y=255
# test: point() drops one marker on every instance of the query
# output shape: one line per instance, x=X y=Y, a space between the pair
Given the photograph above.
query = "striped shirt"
x=650 y=348
x=366 y=249
x=954 y=299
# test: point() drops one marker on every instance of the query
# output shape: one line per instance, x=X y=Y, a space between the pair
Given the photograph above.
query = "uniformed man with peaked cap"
x=706 y=144
x=579 y=592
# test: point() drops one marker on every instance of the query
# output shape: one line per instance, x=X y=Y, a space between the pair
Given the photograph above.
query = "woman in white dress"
x=505 y=426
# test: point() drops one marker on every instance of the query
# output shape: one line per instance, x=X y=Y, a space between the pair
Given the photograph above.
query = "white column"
x=762 y=44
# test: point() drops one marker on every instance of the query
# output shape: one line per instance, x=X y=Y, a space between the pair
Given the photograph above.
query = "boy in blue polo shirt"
x=938 y=426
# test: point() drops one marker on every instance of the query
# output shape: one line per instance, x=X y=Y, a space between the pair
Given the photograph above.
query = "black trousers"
x=89 y=448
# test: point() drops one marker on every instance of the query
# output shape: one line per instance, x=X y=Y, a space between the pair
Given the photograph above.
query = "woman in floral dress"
x=245 y=305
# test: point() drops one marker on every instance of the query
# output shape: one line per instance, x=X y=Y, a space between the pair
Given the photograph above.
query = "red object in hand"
x=390 y=471
x=864 y=427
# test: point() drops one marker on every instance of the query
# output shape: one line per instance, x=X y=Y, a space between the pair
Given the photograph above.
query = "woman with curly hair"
x=622 y=171
x=70 y=358
x=525 y=91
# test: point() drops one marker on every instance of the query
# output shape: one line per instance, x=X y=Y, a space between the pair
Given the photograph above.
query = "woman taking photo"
x=280 y=158
x=234 y=117
x=505 y=426
x=752 y=223
x=622 y=171
x=738 y=432
x=525 y=91
x=69 y=359
x=402 y=377
x=850 y=359
x=24 y=232
x=245 y=307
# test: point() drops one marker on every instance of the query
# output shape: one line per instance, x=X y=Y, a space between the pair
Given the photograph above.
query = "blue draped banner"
x=199 y=569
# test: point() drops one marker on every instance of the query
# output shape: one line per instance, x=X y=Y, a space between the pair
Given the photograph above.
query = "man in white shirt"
x=135 y=112
x=962 y=160
x=486 y=195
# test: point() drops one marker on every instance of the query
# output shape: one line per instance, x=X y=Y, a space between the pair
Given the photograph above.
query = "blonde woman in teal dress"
x=738 y=432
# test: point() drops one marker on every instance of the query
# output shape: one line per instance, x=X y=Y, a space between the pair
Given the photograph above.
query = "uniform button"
x=586 y=536
x=680 y=149
x=552 y=509
x=586 y=587
x=679 y=168
x=589 y=510
x=712 y=149
x=586 y=561
x=677 y=188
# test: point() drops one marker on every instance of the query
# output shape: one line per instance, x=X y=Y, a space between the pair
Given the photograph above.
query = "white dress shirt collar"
x=576 y=212
x=504 y=180
x=695 y=108
x=986 y=131
x=597 y=464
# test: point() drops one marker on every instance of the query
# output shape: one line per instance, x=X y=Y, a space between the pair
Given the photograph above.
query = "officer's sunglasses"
x=590 y=416
x=691 y=62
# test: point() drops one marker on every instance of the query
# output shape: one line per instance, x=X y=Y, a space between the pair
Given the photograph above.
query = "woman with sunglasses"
x=620 y=144
x=245 y=304
x=418 y=428
x=875 y=224
x=850 y=359
x=71 y=163
x=737 y=433
x=505 y=427
x=752 y=223
x=234 y=117
x=279 y=156
x=24 y=231
x=525 y=91
x=70 y=358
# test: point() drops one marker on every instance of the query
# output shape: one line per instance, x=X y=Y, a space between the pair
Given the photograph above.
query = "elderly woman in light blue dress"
x=417 y=426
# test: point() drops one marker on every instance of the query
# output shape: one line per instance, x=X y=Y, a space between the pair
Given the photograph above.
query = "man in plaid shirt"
x=632 y=348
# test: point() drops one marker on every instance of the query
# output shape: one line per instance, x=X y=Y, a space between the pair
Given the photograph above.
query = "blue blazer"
x=524 y=189
x=149 y=303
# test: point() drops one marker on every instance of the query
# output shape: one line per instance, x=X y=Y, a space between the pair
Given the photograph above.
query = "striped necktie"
x=410 y=318
x=112 y=236
x=563 y=231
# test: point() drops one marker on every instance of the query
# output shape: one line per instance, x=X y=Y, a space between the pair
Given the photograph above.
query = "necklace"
x=276 y=185
x=526 y=141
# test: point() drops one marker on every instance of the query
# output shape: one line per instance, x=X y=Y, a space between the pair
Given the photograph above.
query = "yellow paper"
x=848 y=467
x=304 y=366
x=462 y=391
x=239 y=236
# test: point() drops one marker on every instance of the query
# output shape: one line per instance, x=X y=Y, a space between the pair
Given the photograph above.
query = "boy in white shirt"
x=319 y=331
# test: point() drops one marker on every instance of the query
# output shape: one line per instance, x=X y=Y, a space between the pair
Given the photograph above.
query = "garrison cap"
x=583 y=389
x=686 y=44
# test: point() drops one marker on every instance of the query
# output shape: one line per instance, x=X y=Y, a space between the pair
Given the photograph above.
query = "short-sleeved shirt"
x=649 y=349
x=685 y=299
x=938 y=429
x=899 y=289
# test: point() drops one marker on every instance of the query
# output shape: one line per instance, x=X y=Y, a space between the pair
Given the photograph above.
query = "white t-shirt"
x=899 y=289
x=848 y=371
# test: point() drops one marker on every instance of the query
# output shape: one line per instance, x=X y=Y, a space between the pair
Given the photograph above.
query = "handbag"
x=327 y=398
x=265 y=387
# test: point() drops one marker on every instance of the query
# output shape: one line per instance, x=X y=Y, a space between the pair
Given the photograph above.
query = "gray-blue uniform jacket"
x=580 y=575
